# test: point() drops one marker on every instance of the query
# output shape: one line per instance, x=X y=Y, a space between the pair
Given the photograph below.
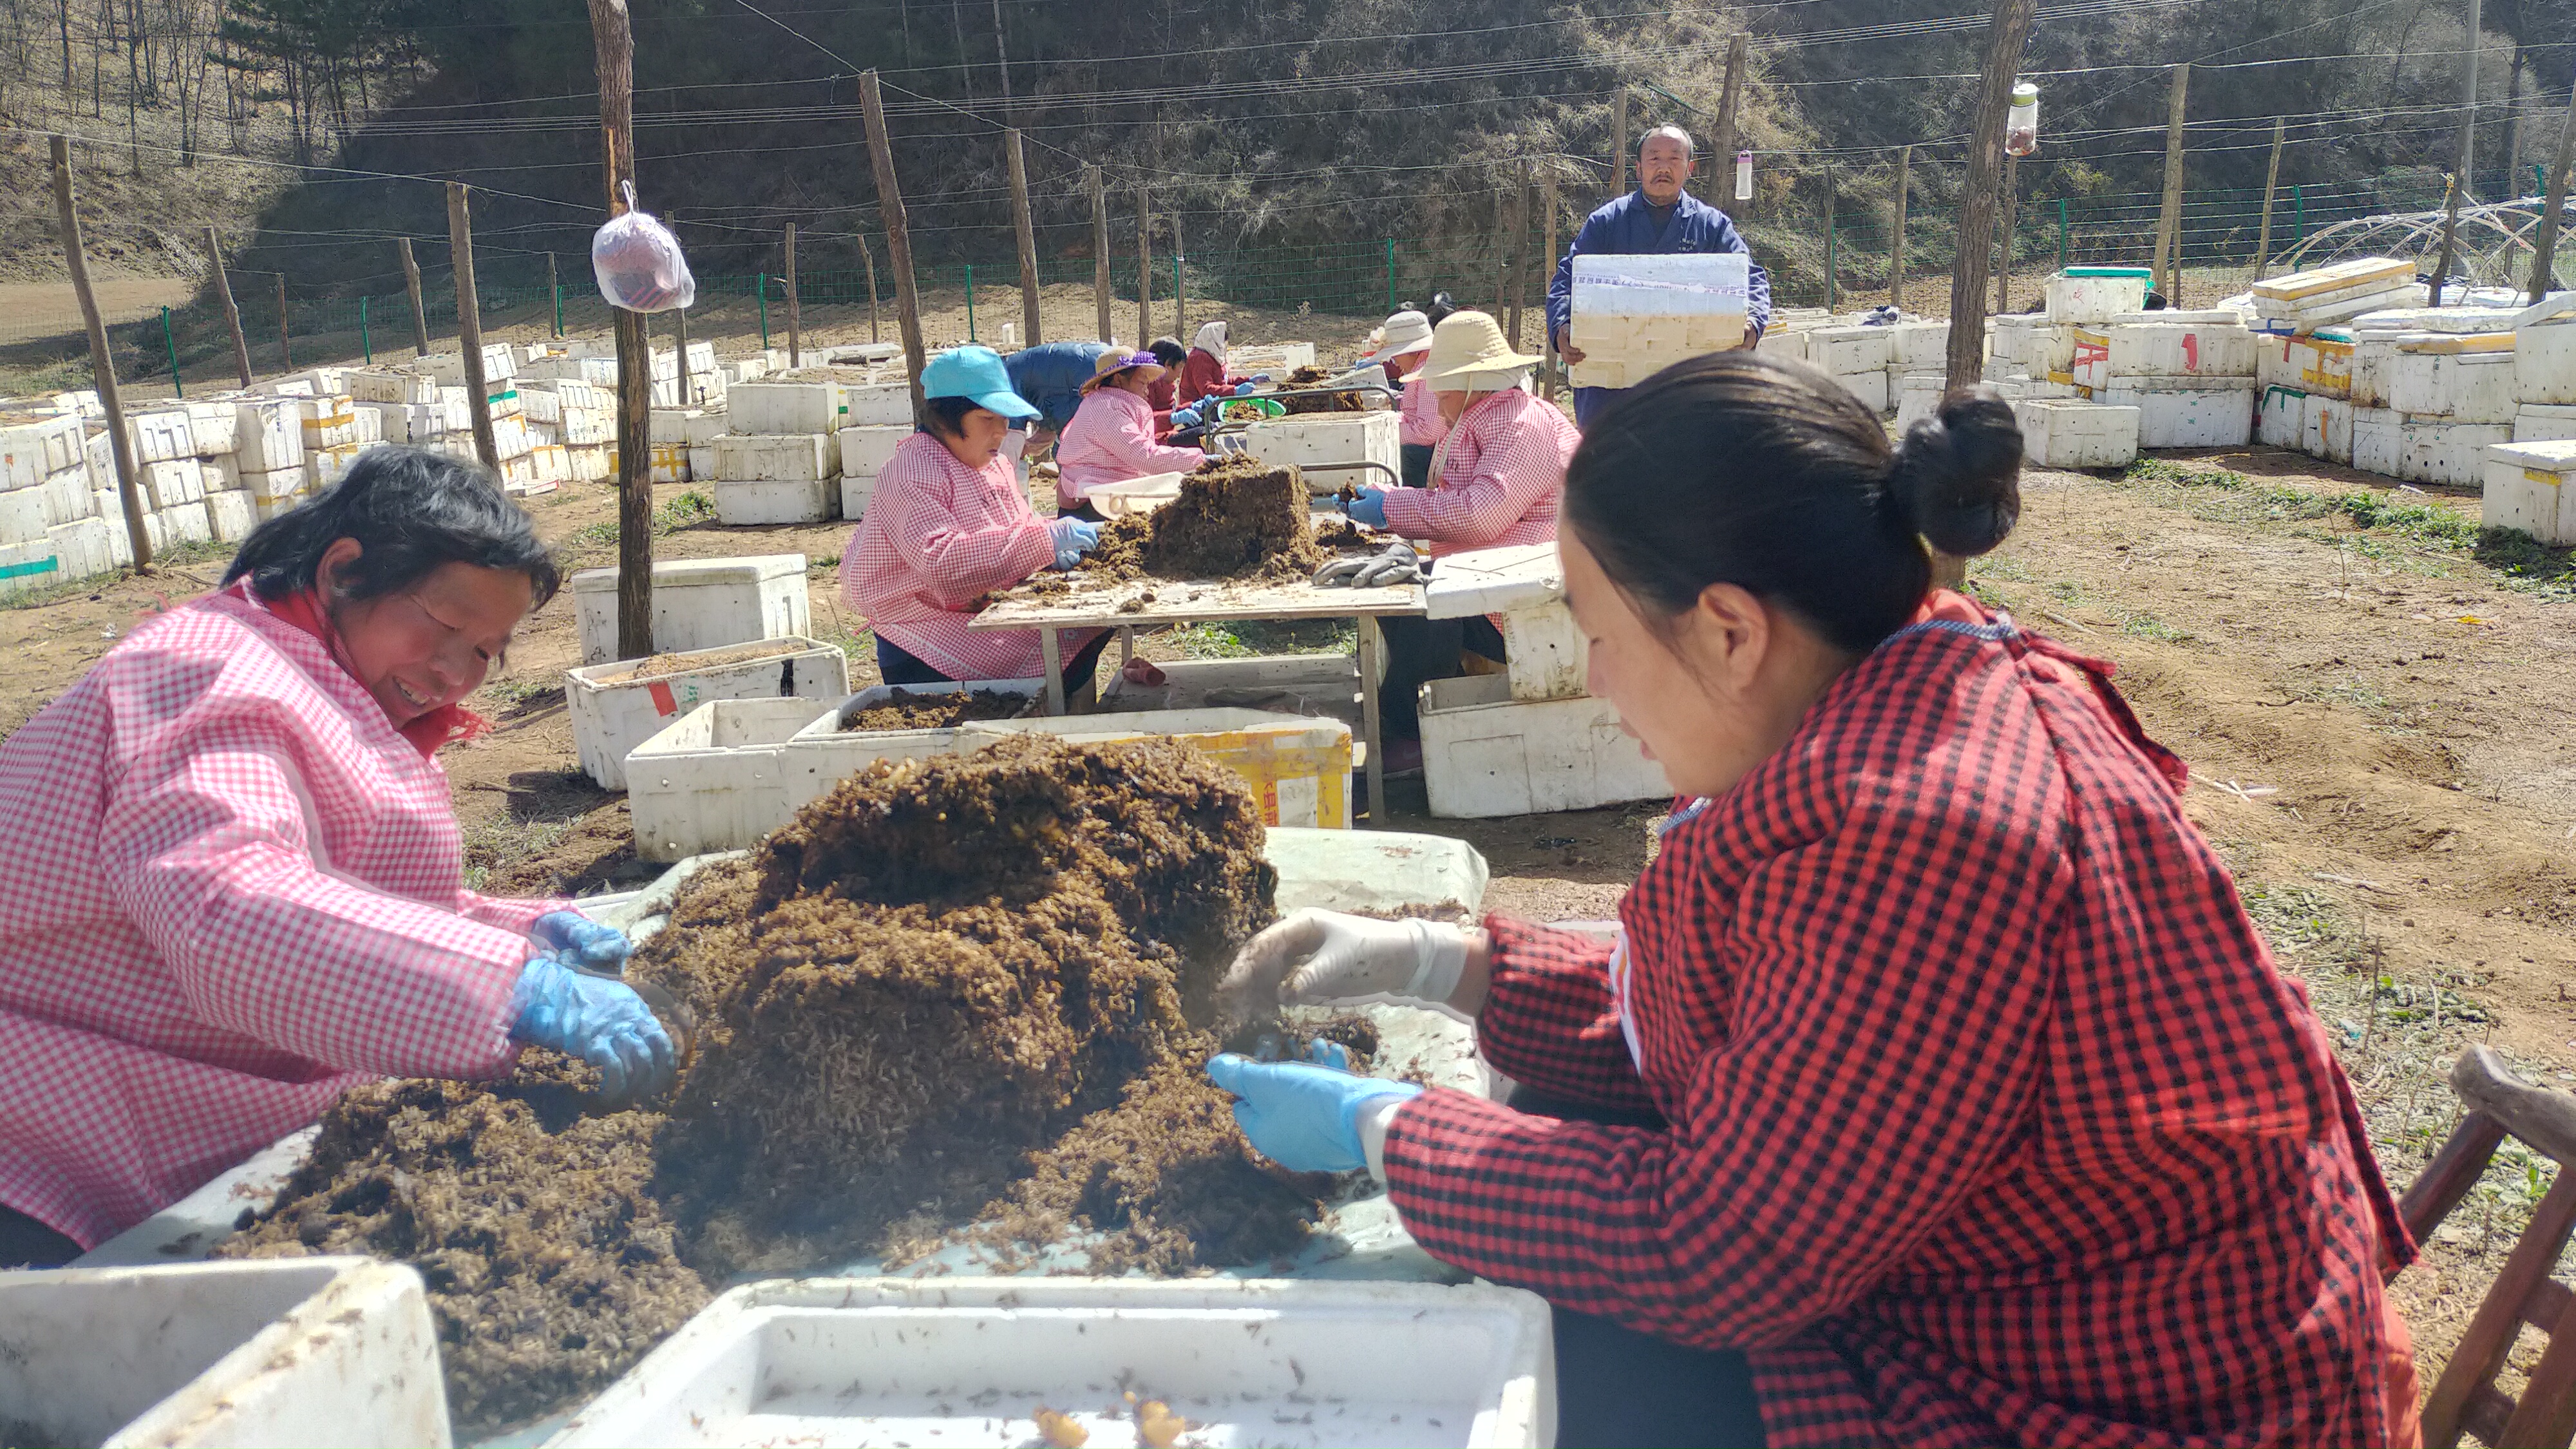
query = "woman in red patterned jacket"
x=1936 y=1089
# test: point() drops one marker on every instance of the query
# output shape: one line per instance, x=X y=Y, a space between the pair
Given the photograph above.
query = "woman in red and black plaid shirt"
x=1937 y=1089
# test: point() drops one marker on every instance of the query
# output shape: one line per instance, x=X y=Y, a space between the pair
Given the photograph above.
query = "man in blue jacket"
x=1050 y=375
x=1659 y=216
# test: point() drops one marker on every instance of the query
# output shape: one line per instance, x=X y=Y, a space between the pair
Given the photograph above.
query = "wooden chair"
x=2466 y=1400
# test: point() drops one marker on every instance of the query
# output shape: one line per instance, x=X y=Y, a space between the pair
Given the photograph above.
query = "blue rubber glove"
x=582 y=940
x=1185 y=417
x=1369 y=507
x=1074 y=537
x=1302 y=1115
x=601 y=1021
x=1243 y=389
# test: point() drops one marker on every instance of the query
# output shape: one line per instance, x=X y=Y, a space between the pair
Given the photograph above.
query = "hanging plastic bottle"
x=1744 y=176
x=2021 y=125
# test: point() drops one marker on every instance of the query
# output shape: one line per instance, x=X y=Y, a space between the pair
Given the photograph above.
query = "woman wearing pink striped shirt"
x=1111 y=437
x=949 y=522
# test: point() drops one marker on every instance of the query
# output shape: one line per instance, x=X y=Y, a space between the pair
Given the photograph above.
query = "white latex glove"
x=1325 y=956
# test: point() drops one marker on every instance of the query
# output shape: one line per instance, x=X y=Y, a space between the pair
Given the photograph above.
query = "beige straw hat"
x=1469 y=345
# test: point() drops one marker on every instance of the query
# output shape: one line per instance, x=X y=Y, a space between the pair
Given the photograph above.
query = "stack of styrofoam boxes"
x=779 y=460
x=268 y=454
x=864 y=450
x=406 y=404
x=1918 y=366
x=1855 y=357
x=670 y=437
x=2532 y=487
x=577 y=417
x=2190 y=375
x=48 y=505
x=215 y=426
x=702 y=426
x=328 y=428
x=2304 y=362
x=2432 y=390
x=2544 y=372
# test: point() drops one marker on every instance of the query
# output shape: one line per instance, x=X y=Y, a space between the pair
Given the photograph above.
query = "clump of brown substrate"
x=907 y=711
x=1233 y=518
x=1307 y=377
x=945 y=977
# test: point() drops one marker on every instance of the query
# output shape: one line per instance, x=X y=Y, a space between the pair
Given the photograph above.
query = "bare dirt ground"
x=33 y=310
x=2381 y=714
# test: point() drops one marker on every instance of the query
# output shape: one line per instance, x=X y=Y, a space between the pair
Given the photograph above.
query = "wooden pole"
x=868 y=258
x=1099 y=246
x=1896 y=237
x=1547 y=258
x=1180 y=282
x=795 y=314
x=1518 y=237
x=469 y=324
x=907 y=300
x=411 y=285
x=2544 y=238
x=2271 y=185
x=2452 y=189
x=680 y=317
x=102 y=364
x=554 y=300
x=2168 y=259
x=1026 y=226
x=285 y=348
x=2005 y=37
x=613 y=44
x=1722 y=164
x=1619 y=148
x=232 y=312
x=1502 y=253
x=2004 y=235
x=1144 y=270
x=2465 y=181
x=1830 y=293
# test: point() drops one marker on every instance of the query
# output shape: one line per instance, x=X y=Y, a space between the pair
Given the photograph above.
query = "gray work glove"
x=1398 y=564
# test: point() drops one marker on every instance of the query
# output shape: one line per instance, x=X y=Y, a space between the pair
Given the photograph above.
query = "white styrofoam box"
x=1870 y=387
x=25 y=566
x=702 y=426
x=274 y=493
x=328 y=466
x=2283 y=417
x=1789 y=344
x=2452 y=321
x=856 y=490
x=405 y=422
x=715 y=778
x=367 y=427
x=22 y=516
x=613 y=710
x=1485 y=753
x=69 y=496
x=700 y=603
x=2423 y=450
x=2157 y=349
x=589 y=427
x=2171 y=416
x=323 y=381
x=882 y=404
x=865 y=449
x=1842 y=350
x=2544 y=363
x=785 y=407
x=540 y=403
x=212 y=427
x=84 y=401
x=36 y=446
x=1269 y=1361
x=388 y=385
x=85 y=549
x=2466 y=387
x=1918 y=396
x=178 y=524
x=778 y=457
x=161 y=436
x=1276 y=358
x=586 y=462
x=2375 y=444
x=168 y=484
x=2063 y=433
x=1919 y=347
x=231 y=514
x=2528 y=486
x=510 y=438
x=752 y=502
x=1322 y=440
x=505 y=403
x=2544 y=422
x=2094 y=299
x=500 y=364
x=271 y=1351
x=702 y=462
x=1634 y=315
x=2282 y=296
x=671 y=425
x=2325 y=428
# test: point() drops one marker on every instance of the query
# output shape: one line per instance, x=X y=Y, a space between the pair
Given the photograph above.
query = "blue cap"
x=975 y=373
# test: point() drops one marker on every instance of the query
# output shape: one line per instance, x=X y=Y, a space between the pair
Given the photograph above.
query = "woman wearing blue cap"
x=950 y=522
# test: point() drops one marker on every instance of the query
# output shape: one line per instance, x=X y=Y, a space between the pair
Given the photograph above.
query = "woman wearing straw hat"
x=1402 y=345
x=1111 y=437
x=948 y=523
x=1496 y=478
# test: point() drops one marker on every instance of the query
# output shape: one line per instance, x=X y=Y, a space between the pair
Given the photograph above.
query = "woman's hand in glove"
x=581 y=940
x=1369 y=507
x=1304 y=1116
x=600 y=1020
x=1074 y=537
x=1322 y=956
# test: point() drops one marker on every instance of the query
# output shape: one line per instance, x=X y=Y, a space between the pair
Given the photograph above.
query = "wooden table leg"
x=1054 y=671
x=1126 y=646
x=1370 y=644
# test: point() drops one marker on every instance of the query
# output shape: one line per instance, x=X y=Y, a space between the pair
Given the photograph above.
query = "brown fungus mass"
x=908 y=711
x=1233 y=518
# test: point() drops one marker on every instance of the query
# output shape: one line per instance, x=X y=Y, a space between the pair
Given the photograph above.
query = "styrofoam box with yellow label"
x=274 y=493
x=2310 y=364
x=616 y=707
x=2532 y=487
x=1636 y=315
x=2303 y=294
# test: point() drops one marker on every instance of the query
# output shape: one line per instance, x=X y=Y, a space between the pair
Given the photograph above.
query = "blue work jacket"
x=1050 y=376
x=1626 y=227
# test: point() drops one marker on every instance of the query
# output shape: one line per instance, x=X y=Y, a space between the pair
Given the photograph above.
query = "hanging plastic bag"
x=638 y=263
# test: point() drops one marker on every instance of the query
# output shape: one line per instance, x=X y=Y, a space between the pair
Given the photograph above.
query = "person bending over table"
x=1402 y=346
x=1111 y=437
x=1050 y=377
x=1496 y=477
x=950 y=522
x=232 y=885
x=1936 y=1088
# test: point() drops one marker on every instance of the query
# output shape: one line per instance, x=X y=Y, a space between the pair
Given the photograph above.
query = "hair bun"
x=1956 y=477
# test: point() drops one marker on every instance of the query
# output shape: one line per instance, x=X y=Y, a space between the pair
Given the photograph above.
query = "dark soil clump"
x=1340 y=402
x=1234 y=518
x=908 y=711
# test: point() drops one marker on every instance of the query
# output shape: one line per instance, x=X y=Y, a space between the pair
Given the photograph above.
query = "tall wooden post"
x=1144 y=270
x=1026 y=227
x=1099 y=246
x=2004 y=235
x=680 y=317
x=2466 y=180
x=907 y=300
x=2271 y=185
x=102 y=364
x=469 y=324
x=868 y=258
x=1502 y=253
x=411 y=286
x=232 y=312
x=285 y=347
x=1896 y=237
x=613 y=42
x=2544 y=238
x=1967 y=348
x=1547 y=260
x=1180 y=281
x=554 y=300
x=1619 y=147
x=795 y=314
x=1519 y=239
x=2168 y=263
x=2453 y=188
x=1831 y=294
x=1722 y=163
